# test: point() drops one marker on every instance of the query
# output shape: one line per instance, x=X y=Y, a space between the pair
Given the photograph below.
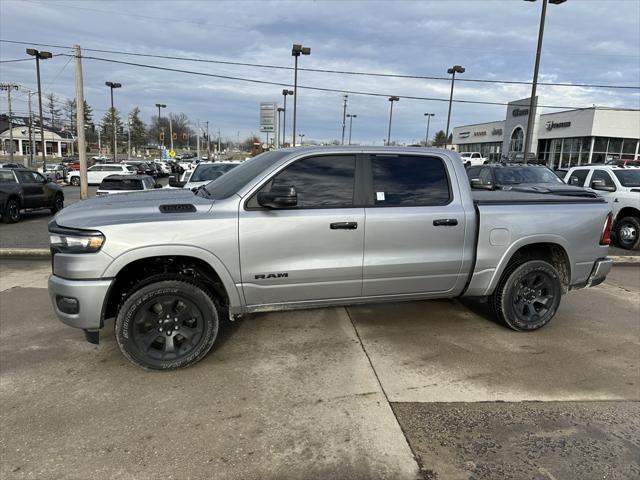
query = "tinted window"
x=405 y=181
x=603 y=175
x=320 y=181
x=473 y=172
x=581 y=175
x=28 y=177
x=628 y=178
x=120 y=184
x=210 y=171
x=517 y=175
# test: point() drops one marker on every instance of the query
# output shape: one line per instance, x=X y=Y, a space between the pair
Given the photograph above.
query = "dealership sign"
x=268 y=112
x=520 y=112
x=551 y=125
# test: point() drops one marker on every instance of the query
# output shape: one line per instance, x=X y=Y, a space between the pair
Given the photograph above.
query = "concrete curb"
x=620 y=260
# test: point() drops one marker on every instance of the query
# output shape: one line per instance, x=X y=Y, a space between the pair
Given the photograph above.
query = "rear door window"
x=581 y=175
x=409 y=181
x=603 y=175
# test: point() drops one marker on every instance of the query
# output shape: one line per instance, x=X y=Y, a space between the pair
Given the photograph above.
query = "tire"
x=58 y=203
x=11 y=211
x=527 y=296
x=627 y=232
x=75 y=181
x=166 y=325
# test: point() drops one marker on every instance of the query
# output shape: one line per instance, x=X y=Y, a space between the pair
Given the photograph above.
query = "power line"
x=322 y=89
x=341 y=72
x=16 y=60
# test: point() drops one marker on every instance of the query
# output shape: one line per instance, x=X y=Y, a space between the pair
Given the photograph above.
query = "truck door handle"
x=445 y=222
x=343 y=225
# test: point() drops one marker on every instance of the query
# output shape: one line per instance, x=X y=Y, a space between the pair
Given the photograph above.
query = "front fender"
x=118 y=263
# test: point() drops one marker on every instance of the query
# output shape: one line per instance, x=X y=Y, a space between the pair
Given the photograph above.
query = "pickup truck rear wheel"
x=627 y=232
x=167 y=325
x=527 y=296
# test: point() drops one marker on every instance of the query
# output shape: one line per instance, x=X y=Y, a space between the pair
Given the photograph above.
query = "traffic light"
x=161 y=136
x=175 y=136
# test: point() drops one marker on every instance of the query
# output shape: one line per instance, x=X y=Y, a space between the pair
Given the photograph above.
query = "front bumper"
x=601 y=269
x=90 y=296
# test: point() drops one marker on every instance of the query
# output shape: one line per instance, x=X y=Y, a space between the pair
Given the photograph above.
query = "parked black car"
x=144 y=168
x=24 y=189
x=521 y=177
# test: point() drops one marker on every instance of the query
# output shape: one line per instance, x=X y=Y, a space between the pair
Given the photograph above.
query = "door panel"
x=312 y=251
x=295 y=255
x=414 y=236
x=32 y=188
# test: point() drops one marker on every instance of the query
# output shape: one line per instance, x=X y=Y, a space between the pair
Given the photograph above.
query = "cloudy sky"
x=586 y=42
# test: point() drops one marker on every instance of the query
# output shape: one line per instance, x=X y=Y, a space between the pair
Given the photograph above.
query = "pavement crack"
x=426 y=474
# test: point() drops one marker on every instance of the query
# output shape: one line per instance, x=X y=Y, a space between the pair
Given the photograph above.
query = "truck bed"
x=506 y=197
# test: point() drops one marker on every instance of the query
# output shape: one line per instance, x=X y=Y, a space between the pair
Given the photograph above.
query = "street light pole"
x=160 y=105
x=391 y=99
x=111 y=86
x=40 y=56
x=351 y=117
x=301 y=135
x=452 y=71
x=280 y=126
x=296 y=51
x=426 y=137
x=534 y=84
x=129 y=137
x=344 y=115
x=285 y=92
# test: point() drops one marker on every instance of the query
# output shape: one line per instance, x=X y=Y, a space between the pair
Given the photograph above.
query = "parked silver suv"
x=311 y=227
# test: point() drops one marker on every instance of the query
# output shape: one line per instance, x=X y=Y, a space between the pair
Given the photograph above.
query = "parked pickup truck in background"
x=620 y=186
x=311 y=227
x=24 y=189
x=470 y=159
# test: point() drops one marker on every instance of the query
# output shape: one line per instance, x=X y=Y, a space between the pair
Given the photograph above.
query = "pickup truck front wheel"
x=527 y=296
x=167 y=325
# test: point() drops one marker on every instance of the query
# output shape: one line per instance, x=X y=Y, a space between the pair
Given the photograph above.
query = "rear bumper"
x=87 y=296
x=601 y=269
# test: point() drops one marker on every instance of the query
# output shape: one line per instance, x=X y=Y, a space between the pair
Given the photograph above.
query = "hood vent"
x=178 y=208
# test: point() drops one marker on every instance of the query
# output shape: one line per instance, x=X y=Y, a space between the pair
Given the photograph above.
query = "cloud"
x=585 y=42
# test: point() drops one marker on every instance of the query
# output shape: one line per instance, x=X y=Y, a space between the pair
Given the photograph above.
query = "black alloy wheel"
x=12 y=211
x=166 y=325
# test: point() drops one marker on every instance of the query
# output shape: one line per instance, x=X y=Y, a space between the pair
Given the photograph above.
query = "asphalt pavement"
x=432 y=389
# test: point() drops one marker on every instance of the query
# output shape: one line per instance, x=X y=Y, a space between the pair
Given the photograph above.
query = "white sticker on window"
x=380 y=196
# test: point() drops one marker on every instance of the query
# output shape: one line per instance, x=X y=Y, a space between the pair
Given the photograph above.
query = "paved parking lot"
x=416 y=390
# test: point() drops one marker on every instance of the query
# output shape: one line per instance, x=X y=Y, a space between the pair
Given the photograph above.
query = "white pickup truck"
x=471 y=159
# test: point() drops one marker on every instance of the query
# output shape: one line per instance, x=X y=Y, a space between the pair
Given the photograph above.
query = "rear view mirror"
x=157 y=185
x=279 y=197
x=477 y=183
x=600 y=185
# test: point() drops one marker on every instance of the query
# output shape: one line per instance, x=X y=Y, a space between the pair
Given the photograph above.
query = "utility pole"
x=198 y=146
x=82 y=150
x=8 y=87
x=344 y=115
x=208 y=142
x=218 y=144
x=31 y=142
x=426 y=136
x=129 y=137
x=171 y=131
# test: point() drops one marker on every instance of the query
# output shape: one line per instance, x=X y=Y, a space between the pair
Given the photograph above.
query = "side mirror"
x=600 y=185
x=157 y=185
x=576 y=181
x=173 y=181
x=477 y=183
x=279 y=197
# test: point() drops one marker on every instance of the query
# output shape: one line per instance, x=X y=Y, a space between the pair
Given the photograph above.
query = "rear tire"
x=11 y=211
x=527 y=296
x=167 y=325
x=627 y=233
x=75 y=181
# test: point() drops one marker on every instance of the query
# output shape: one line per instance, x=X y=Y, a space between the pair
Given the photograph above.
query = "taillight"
x=605 y=239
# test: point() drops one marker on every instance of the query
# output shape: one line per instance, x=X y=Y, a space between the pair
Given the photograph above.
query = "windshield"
x=210 y=171
x=516 y=175
x=628 y=178
x=229 y=184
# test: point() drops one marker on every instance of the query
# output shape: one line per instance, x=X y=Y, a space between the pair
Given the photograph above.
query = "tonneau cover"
x=506 y=197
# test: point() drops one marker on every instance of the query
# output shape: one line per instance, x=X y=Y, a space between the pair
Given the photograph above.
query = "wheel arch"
x=628 y=212
x=552 y=248
x=138 y=264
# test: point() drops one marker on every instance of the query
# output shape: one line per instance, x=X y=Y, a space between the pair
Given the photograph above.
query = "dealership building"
x=559 y=139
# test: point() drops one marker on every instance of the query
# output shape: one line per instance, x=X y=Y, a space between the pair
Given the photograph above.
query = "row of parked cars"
x=619 y=184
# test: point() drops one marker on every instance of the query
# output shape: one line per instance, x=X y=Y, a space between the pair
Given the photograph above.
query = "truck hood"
x=550 y=188
x=134 y=207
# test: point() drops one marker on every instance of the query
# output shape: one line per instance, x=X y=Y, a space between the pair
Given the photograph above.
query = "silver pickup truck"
x=311 y=227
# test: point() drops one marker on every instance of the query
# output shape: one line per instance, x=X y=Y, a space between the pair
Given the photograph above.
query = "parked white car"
x=126 y=184
x=621 y=188
x=163 y=167
x=470 y=159
x=97 y=173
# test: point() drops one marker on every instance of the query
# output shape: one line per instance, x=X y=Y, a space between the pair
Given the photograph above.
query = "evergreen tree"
x=54 y=111
x=106 y=129
x=137 y=129
x=441 y=139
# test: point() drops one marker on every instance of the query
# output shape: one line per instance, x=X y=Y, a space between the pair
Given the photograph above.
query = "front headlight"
x=66 y=240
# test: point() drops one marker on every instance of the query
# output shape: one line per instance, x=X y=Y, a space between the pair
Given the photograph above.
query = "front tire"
x=11 y=211
x=75 y=181
x=167 y=325
x=627 y=233
x=58 y=203
x=527 y=296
